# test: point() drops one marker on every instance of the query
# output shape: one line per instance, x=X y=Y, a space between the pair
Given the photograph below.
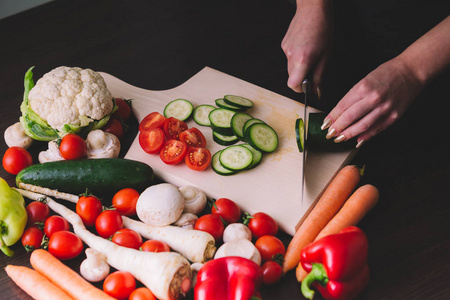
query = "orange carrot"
x=35 y=284
x=337 y=192
x=354 y=209
x=64 y=277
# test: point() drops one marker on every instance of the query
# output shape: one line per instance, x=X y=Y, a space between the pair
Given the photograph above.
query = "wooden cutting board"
x=275 y=185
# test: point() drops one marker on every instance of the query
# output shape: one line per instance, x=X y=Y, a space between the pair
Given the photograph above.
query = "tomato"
x=54 y=224
x=155 y=246
x=211 y=224
x=152 y=140
x=142 y=293
x=89 y=208
x=16 y=159
x=127 y=238
x=152 y=120
x=269 y=247
x=115 y=127
x=108 y=222
x=65 y=245
x=227 y=209
x=72 y=147
x=124 y=201
x=272 y=272
x=262 y=224
x=173 y=127
x=123 y=111
x=37 y=212
x=173 y=152
x=193 y=137
x=119 y=284
x=198 y=159
x=32 y=238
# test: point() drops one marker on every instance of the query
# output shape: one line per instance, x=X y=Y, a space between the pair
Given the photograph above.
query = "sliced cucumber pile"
x=222 y=104
x=180 y=109
x=236 y=158
x=224 y=140
x=220 y=119
x=237 y=124
x=262 y=137
x=218 y=167
x=238 y=101
x=201 y=114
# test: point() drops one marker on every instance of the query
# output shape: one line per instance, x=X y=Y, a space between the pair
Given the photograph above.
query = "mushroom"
x=94 y=268
x=102 y=144
x=15 y=136
x=236 y=231
x=242 y=247
x=195 y=200
x=195 y=267
x=186 y=220
x=51 y=154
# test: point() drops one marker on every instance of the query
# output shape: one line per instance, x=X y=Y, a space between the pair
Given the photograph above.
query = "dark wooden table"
x=160 y=44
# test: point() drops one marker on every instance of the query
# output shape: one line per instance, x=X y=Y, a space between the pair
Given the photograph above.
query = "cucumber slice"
x=217 y=166
x=238 y=101
x=222 y=104
x=237 y=124
x=250 y=123
x=180 y=109
x=299 y=133
x=220 y=119
x=236 y=158
x=224 y=140
x=262 y=137
x=201 y=113
x=257 y=156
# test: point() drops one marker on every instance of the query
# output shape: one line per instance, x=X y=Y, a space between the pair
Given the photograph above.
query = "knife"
x=306 y=87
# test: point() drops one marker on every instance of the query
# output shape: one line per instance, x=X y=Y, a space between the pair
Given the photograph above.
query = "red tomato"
x=173 y=152
x=193 y=137
x=119 y=285
x=152 y=140
x=211 y=224
x=115 y=127
x=173 y=127
x=37 y=212
x=155 y=246
x=123 y=111
x=272 y=272
x=198 y=159
x=152 y=120
x=89 y=208
x=269 y=247
x=108 y=222
x=65 y=245
x=142 y=293
x=54 y=224
x=262 y=224
x=72 y=147
x=124 y=201
x=32 y=238
x=16 y=159
x=127 y=238
x=227 y=209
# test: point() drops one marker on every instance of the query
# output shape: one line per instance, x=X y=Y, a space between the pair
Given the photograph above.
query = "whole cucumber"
x=103 y=176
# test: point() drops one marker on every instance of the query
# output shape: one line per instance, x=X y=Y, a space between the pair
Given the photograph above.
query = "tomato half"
x=15 y=159
x=127 y=238
x=269 y=247
x=65 y=245
x=262 y=224
x=173 y=127
x=37 y=212
x=54 y=224
x=152 y=120
x=173 y=152
x=119 y=284
x=227 y=209
x=155 y=246
x=193 y=137
x=152 y=140
x=32 y=238
x=108 y=222
x=72 y=147
x=212 y=224
x=88 y=208
x=198 y=159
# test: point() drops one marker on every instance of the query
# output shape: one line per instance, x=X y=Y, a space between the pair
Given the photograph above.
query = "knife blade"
x=306 y=87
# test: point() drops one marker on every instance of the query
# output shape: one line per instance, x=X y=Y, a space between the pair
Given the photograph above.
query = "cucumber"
x=238 y=101
x=180 y=109
x=217 y=166
x=222 y=104
x=236 y=158
x=250 y=123
x=224 y=140
x=257 y=156
x=237 y=124
x=262 y=137
x=299 y=133
x=104 y=176
x=220 y=119
x=201 y=113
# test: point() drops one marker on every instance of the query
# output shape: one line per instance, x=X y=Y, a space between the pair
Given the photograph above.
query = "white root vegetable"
x=186 y=220
x=102 y=144
x=236 y=231
x=51 y=154
x=243 y=248
x=15 y=136
x=94 y=268
x=194 y=199
x=166 y=274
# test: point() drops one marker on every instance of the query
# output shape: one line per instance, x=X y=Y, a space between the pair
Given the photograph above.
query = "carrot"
x=35 y=284
x=334 y=196
x=64 y=277
x=354 y=209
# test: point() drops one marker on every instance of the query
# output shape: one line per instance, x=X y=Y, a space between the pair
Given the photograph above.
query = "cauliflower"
x=65 y=100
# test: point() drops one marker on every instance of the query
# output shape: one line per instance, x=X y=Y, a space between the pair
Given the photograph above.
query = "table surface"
x=158 y=45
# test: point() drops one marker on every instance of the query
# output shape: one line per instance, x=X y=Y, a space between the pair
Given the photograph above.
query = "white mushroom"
x=186 y=220
x=195 y=267
x=51 y=154
x=15 y=136
x=94 y=268
x=195 y=200
x=236 y=231
x=243 y=248
x=102 y=144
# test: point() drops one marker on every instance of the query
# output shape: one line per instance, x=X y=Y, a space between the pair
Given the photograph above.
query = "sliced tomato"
x=198 y=159
x=152 y=120
x=152 y=140
x=173 y=152
x=193 y=137
x=173 y=127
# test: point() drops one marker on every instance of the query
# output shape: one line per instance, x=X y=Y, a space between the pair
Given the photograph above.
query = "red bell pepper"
x=337 y=265
x=228 y=278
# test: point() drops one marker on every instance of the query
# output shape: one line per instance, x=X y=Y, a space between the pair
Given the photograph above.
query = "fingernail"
x=360 y=143
x=326 y=124
x=331 y=133
x=340 y=138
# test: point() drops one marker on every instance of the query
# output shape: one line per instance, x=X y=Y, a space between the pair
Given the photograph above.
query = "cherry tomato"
x=127 y=238
x=123 y=111
x=152 y=120
x=32 y=238
x=89 y=208
x=54 y=224
x=119 y=284
x=142 y=293
x=124 y=201
x=16 y=159
x=108 y=222
x=227 y=209
x=262 y=224
x=211 y=224
x=173 y=152
x=115 y=127
x=155 y=246
x=72 y=147
x=65 y=245
x=272 y=272
x=37 y=212
x=269 y=246
x=198 y=159
x=173 y=127
x=193 y=137
x=152 y=140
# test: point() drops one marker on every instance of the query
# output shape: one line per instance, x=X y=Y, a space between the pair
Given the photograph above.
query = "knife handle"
x=306 y=84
